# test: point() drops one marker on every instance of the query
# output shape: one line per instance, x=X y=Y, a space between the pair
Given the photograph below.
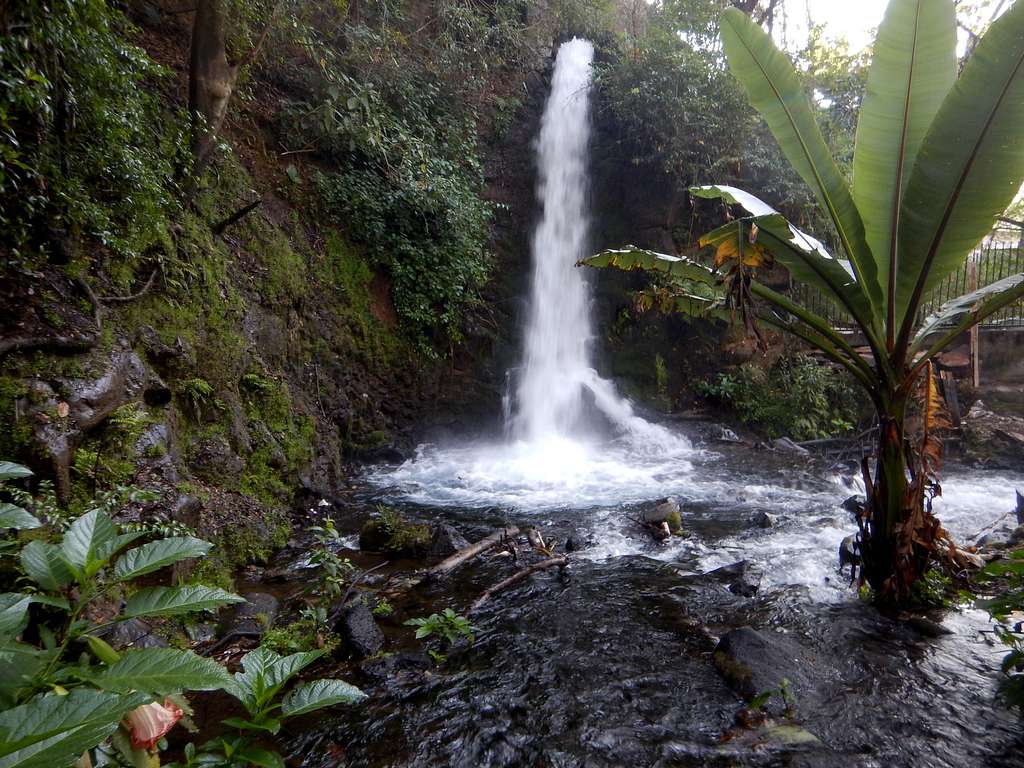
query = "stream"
x=612 y=666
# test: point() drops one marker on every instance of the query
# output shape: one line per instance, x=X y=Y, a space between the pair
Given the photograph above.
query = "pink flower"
x=148 y=724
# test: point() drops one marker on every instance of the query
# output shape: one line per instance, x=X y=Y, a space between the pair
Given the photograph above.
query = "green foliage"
x=199 y=394
x=305 y=634
x=390 y=533
x=332 y=571
x=260 y=687
x=383 y=608
x=59 y=700
x=76 y=131
x=1008 y=576
x=794 y=397
x=447 y=625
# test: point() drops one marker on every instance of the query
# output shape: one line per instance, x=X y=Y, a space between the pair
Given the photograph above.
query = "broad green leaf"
x=265 y=673
x=16 y=517
x=46 y=565
x=631 y=257
x=158 y=554
x=969 y=167
x=11 y=471
x=85 y=539
x=13 y=613
x=170 y=601
x=958 y=315
x=913 y=69
x=774 y=89
x=50 y=731
x=250 y=754
x=318 y=694
x=19 y=663
x=159 y=671
x=267 y=725
x=112 y=546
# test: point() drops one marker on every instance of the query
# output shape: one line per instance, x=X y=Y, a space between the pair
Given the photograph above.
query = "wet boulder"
x=849 y=554
x=739 y=578
x=215 y=461
x=133 y=633
x=577 y=541
x=446 y=540
x=755 y=662
x=66 y=411
x=360 y=631
x=664 y=513
x=765 y=520
x=389 y=534
x=253 y=617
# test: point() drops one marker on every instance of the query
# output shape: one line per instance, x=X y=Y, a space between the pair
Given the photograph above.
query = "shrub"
x=794 y=397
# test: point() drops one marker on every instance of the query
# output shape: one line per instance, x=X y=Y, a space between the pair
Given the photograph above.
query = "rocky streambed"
x=647 y=652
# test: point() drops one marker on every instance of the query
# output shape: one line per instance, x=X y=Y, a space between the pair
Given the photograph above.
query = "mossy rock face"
x=393 y=536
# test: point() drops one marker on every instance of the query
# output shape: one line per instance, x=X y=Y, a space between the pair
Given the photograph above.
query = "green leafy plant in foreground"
x=64 y=690
x=447 y=625
x=938 y=157
x=1009 y=573
x=260 y=687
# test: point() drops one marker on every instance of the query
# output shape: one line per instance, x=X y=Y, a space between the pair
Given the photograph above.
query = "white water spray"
x=557 y=375
x=555 y=365
x=560 y=412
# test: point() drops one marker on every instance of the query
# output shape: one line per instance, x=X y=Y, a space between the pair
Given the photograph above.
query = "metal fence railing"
x=999 y=255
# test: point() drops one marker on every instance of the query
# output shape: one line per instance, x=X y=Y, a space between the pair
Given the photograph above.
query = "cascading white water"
x=557 y=374
x=554 y=454
x=549 y=399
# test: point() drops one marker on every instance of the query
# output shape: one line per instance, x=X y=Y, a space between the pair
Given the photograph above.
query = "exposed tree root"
x=55 y=343
x=517 y=577
x=134 y=296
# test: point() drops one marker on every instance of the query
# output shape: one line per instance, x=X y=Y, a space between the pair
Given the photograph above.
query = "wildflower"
x=148 y=724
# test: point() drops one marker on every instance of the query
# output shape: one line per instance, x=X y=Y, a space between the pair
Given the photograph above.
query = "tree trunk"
x=211 y=80
x=887 y=497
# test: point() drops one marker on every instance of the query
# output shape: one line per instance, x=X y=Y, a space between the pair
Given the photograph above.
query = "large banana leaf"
x=969 y=167
x=160 y=671
x=631 y=257
x=913 y=69
x=174 y=601
x=774 y=89
x=158 y=554
x=318 y=694
x=806 y=258
x=958 y=315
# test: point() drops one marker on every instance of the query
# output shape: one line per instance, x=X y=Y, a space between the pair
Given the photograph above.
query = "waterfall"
x=549 y=398
x=571 y=439
x=557 y=379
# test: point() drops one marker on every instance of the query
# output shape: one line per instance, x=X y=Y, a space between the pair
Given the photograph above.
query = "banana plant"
x=938 y=158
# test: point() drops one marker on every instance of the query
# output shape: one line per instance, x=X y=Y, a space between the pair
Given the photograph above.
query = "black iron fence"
x=1000 y=255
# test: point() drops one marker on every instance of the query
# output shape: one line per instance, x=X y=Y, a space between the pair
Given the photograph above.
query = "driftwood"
x=449 y=564
x=559 y=562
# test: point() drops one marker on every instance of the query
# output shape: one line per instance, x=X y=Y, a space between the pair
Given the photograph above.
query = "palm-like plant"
x=938 y=158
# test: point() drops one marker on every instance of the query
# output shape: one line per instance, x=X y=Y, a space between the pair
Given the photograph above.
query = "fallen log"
x=515 y=578
x=449 y=564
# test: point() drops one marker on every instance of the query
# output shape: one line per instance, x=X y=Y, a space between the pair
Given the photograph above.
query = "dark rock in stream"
x=253 y=617
x=765 y=520
x=855 y=505
x=662 y=511
x=577 y=541
x=446 y=540
x=133 y=633
x=754 y=662
x=741 y=578
x=360 y=631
